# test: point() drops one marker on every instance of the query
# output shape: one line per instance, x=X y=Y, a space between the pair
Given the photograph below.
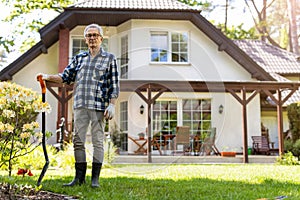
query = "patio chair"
x=208 y=145
x=156 y=143
x=260 y=145
x=182 y=140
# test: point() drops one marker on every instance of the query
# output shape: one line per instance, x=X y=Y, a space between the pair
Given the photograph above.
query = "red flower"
x=29 y=173
x=23 y=172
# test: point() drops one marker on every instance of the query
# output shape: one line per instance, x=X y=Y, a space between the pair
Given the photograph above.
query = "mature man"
x=95 y=74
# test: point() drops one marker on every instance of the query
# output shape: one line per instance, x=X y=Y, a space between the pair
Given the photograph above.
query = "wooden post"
x=245 y=126
x=280 y=123
x=149 y=125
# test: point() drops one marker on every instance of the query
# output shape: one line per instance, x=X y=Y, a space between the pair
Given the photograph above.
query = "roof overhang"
x=204 y=86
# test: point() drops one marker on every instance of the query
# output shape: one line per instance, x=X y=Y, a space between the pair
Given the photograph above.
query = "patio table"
x=140 y=144
x=162 y=141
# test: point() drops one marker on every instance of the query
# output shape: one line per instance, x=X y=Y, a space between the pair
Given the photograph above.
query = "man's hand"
x=110 y=111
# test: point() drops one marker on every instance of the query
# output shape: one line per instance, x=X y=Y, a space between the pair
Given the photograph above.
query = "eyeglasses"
x=92 y=35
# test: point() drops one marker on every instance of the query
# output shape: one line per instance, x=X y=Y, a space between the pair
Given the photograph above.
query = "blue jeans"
x=82 y=119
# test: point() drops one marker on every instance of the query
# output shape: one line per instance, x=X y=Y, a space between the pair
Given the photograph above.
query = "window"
x=169 y=47
x=179 y=44
x=197 y=115
x=124 y=116
x=159 y=47
x=164 y=116
x=164 y=119
x=79 y=45
x=124 y=58
x=104 y=44
x=122 y=138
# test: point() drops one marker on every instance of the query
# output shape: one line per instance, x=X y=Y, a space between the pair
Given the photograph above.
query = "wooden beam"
x=205 y=86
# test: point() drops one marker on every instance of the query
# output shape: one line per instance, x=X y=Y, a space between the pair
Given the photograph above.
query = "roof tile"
x=274 y=60
x=135 y=4
x=270 y=58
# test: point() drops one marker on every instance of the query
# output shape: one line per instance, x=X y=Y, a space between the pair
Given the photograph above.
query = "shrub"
x=64 y=159
x=61 y=159
x=288 y=145
x=293 y=147
x=35 y=159
x=296 y=148
x=109 y=151
x=293 y=112
x=19 y=134
x=288 y=159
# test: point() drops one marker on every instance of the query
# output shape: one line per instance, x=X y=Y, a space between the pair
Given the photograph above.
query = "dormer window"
x=169 y=47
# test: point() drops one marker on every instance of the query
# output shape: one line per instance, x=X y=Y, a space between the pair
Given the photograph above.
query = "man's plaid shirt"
x=96 y=80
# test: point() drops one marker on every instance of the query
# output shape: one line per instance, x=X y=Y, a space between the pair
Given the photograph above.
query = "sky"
x=237 y=13
x=4 y=27
x=236 y=16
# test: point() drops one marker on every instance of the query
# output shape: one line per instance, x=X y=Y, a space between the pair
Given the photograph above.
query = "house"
x=175 y=67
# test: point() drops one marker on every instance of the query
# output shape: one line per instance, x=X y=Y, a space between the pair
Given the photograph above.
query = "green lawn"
x=224 y=181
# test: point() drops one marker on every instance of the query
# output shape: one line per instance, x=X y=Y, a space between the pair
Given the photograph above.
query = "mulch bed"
x=15 y=192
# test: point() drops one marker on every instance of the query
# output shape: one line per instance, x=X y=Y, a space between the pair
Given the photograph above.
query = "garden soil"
x=13 y=192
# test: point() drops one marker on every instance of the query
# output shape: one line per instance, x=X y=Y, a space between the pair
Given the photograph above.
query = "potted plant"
x=141 y=135
x=228 y=153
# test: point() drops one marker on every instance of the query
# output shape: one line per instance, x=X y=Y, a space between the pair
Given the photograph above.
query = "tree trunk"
x=293 y=36
x=264 y=22
x=226 y=16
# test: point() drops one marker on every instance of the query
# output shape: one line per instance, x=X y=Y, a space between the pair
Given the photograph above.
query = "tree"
x=294 y=47
x=238 y=32
x=260 y=19
x=275 y=21
x=204 y=4
x=2 y=58
x=235 y=31
x=28 y=17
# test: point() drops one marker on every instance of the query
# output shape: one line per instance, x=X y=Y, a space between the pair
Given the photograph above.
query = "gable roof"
x=271 y=58
x=116 y=12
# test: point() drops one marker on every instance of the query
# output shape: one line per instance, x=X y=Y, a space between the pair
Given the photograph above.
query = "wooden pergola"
x=238 y=89
x=151 y=90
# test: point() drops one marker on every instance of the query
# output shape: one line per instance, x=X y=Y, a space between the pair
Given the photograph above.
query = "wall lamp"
x=221 y=109
x=142 y=109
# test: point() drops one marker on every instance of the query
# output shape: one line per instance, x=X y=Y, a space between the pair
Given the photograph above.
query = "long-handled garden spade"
x=43 y=86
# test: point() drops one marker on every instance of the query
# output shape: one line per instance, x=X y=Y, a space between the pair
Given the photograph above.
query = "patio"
x=143 y=159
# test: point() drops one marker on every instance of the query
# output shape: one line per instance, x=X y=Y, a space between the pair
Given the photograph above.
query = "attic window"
x=169 y=47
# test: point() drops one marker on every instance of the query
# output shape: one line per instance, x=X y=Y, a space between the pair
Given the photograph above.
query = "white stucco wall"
x=206 y=62
x=230 y=123
x=269 y=120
